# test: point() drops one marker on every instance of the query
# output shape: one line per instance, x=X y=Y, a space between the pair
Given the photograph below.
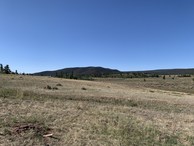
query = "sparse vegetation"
x=117 y=112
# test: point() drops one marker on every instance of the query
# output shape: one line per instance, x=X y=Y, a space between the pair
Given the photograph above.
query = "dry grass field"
x=44 y=111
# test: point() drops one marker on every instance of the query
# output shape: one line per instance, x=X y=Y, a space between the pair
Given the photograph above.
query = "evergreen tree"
x=16 y=72
x=1 y=67
x=7 y=69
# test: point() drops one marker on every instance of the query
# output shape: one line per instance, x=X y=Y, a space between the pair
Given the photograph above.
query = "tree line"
x=6 y=70
x=72 y=75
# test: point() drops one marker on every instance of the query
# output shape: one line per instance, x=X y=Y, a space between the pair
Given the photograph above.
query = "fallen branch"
x=48 y=135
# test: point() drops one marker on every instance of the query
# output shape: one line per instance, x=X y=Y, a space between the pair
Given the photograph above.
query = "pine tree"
x=1 y=67
x=7 y=69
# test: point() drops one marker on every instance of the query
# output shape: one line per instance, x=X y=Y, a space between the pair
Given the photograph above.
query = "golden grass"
x=93 y=113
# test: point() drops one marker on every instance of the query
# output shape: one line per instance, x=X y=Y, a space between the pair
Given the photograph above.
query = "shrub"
x=59 y=85
x=55 y=88
x=48 y=87
x=83 y=88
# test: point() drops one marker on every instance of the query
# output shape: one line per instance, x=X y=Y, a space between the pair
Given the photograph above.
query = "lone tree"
x=7 y=69
x=1 y=67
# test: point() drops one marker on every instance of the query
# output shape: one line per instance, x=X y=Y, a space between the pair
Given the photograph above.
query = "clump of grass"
x=50 y=88
x=6 y=92
x=190 y=139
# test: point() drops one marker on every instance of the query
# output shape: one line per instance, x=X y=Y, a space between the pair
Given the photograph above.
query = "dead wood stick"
x=48 y=135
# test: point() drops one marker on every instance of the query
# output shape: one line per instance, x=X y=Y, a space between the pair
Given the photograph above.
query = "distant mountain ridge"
x=98 y=71
x=169 y=71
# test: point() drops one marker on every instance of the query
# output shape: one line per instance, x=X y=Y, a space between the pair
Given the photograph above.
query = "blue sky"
x=38 y=35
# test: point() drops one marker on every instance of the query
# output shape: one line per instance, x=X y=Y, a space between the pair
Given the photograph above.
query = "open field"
x=172 y=83
x=111 y=112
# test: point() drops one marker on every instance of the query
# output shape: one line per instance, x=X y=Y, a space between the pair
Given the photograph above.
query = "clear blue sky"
x=37 y=35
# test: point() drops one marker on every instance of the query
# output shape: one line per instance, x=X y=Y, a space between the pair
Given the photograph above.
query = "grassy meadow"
x=45 y=111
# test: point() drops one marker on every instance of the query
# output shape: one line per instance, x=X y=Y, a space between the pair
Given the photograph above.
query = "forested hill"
x=80 y=71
